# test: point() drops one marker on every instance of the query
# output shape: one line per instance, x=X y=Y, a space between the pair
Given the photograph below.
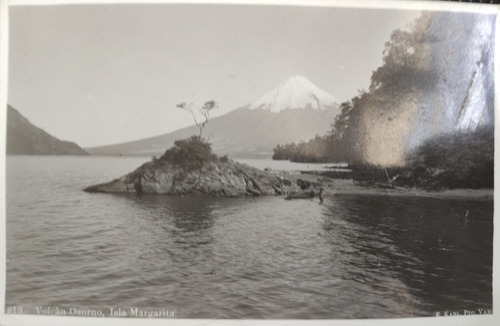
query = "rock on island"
x=190 y=167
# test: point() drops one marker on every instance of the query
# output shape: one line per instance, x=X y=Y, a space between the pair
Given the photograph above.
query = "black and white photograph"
x=249 y=161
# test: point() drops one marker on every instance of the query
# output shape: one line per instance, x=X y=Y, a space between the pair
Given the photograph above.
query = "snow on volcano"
x=295 y=111
x=296 y=92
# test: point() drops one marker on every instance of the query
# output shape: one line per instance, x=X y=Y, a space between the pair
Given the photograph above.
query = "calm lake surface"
x=351 y=257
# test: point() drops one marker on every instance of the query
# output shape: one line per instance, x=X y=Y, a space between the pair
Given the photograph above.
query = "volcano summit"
x=295 y=93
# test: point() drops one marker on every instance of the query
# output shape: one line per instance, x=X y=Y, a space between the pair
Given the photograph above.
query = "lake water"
x=351 y=257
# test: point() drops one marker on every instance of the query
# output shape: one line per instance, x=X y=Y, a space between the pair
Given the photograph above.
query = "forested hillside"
x=432 y=94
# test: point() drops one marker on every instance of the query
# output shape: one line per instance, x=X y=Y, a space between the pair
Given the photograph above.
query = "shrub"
x=459 y=160
x=191 y=153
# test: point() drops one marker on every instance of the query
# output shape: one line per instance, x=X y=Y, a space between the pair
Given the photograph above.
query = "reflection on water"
x=352 y=257
x=437 y=254
x=187 y=219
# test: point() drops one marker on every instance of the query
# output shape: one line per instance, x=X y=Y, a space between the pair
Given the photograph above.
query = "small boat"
x=307 y=195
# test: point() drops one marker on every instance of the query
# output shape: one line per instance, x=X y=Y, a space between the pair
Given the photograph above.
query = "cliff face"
x=24 y=138
x=221 y=178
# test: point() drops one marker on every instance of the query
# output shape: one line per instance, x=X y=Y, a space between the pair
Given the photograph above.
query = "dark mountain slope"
x=240 y=133
x=24 y=138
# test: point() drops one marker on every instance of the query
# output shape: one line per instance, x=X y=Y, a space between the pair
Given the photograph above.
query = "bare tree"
x=204 y=110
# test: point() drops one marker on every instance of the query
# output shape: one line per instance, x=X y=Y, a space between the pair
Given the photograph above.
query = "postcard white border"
x=373 y=4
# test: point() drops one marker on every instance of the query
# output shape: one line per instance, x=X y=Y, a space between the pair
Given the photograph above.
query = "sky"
x=104 y=74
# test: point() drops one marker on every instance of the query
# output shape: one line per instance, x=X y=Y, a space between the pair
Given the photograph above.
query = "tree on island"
x=193 y=152
x=204 y=110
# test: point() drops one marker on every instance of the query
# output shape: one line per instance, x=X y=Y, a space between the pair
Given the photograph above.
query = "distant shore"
x=334 y=187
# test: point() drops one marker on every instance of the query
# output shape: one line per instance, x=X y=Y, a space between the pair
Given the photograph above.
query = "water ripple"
x=352 y=257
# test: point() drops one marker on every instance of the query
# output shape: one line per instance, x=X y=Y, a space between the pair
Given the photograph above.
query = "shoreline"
x=453 y=194
x=347 y=187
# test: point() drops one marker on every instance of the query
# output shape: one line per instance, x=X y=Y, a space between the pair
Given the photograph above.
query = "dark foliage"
x=191 y=153
x=456 y=160
x=314 y=151
x=404 y=72
x=460 y=160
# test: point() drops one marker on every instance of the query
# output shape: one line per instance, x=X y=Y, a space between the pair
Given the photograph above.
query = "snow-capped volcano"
x=295 y=111
x=296 y=92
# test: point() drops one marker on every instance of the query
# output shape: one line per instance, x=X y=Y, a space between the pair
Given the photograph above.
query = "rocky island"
x=190 y=167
